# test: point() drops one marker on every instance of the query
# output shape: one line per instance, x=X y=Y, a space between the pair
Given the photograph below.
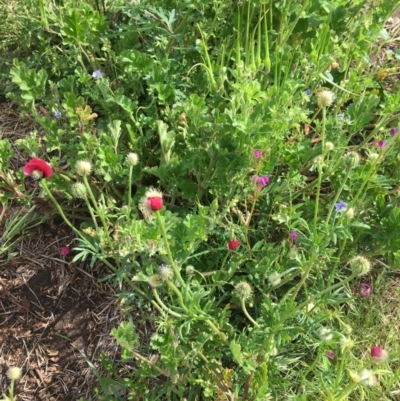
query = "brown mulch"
x=51 y=312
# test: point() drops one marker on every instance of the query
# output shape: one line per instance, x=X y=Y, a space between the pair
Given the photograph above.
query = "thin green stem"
x=304 y=276
x=243 y=304
x=91 y=212
x=317 y=199
x=98 y=211
x=216 y=330
x=130 y=188
x=166 y=243
x=316 y=296
x=178 y=294
x=151 y=364
x=225 y=259
x=165 y=307
x=347 y=391
x=61 y=213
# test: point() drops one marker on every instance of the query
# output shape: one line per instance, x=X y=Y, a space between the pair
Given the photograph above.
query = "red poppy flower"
x=36 y=165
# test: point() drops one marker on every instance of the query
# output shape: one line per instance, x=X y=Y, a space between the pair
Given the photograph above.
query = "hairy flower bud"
x=190 y=270
x=349 y=213
x=78 y=190
x=325 y=334
x=367 y=377
x=166 y=273
x=324 y=97
x=360 y=265
x=155 y=281
x=243 y=290
x=329 y=146
x=274 y=278
x=373 y=157
x=83 y=167
x=14 y=373
x=351 y=160
x=132 y=159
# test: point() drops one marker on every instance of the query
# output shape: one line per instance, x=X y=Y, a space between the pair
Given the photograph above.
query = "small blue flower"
x=340 y=206
x=57 y=114
x=96 y=74
x=341 y=115
x=308 y=92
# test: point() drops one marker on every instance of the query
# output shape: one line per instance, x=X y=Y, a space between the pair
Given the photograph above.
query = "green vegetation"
x=237 y=164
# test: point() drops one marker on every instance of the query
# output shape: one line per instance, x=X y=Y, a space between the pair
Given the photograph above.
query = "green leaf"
x=236 y=352
x=126 y=337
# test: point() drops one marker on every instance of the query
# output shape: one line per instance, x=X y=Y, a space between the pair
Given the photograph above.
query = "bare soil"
x=51 y=312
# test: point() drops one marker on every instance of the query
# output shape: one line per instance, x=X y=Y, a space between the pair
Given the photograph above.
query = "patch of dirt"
x=51 y=313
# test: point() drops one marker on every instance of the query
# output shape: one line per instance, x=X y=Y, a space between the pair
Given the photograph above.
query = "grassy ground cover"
x=234 y=168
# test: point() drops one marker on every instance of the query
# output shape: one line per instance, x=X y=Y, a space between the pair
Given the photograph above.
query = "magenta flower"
x=293 y=235
x=65 y=250
x=330 y=355
x=394 y=131
x=382 y=144
x=261 y=181
x=378 y=354
x=257 y=153
x=362 y=289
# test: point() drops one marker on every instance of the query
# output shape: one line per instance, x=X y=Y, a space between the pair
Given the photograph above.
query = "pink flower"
x=362 y=289
x=37 y=168
x=261 y=181
x=394 y=131
x=382 y=144
x=378 y=354
x=293 y=235
x=330 y=355
x=257 y=153
x=65 y=250
x=155 y=203
x=233 y=244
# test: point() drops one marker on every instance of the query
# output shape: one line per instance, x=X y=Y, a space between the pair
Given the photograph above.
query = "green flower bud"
x=360 y=265
x=132 y=159
x=79 y=190
x=351 y=160
x=243 y=290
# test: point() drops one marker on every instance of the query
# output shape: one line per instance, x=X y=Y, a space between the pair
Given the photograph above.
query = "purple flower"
x=293 y=235
x=362 y=289
x=394 y=131
x=57 y=114
x=308 y=92
x=96 y=74
x=382 y=144
x=341 y=115
x=257 y=153
x=261 y=181
x=340 y=206
x=330 y=355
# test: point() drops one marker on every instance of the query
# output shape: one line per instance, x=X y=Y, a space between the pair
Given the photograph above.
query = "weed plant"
x=238 y=165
